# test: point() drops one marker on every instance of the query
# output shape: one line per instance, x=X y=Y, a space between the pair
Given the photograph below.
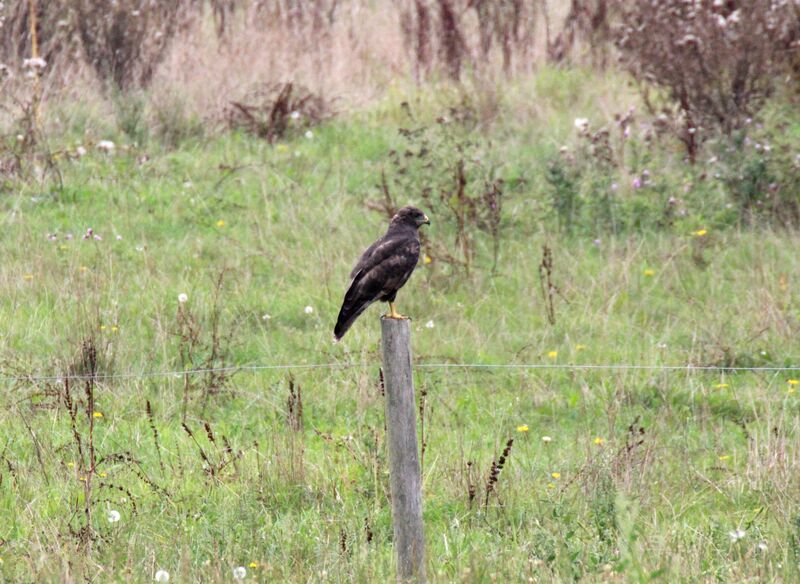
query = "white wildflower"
x=736 y=535
x=162 y=576
x=106 y=146
x=309 y=134
x=582 y=125
x=182 y=298
x=239 y=573
x=546 y=439
x=266 y=317
x=113 y=516
x=429 y=324
x=34 y=63
x=309 y=310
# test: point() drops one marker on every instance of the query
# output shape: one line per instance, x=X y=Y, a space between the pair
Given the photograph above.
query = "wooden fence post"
x=404 y=472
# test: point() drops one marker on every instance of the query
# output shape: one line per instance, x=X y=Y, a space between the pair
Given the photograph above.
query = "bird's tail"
x=348 y=314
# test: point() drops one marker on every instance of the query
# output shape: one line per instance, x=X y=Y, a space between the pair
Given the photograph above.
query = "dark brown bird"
x=383 y=268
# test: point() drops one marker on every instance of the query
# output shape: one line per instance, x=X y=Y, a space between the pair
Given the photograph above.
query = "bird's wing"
x=388 y=265
x=382 y=270
x=364 y=260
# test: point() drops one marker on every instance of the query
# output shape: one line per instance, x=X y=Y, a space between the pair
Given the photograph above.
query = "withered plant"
x=204 y=348
x=273 y=111
x=716 y=61
x=444 y=169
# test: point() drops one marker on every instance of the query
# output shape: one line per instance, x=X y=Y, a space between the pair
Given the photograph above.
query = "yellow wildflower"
x=252 y=565
x=221 y=223
x=580 y=347
x=794 y=382
x=114 y=329
x=649 y=273
x=97 y=414
x=552 y=354
x=724 y=457
x=555 y=475
x=70 y=464
x=700 y=232
x=427 y=259
x=27 y=277
x=522 y=428
x=102 y=327
x=551 y=486
x=102 y=475
x=721 y=385
x=599 y=441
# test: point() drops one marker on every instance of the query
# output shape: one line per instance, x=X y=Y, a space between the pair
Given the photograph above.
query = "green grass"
x=285 y=223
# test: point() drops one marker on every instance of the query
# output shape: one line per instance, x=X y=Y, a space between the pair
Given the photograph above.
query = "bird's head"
x=411 y=216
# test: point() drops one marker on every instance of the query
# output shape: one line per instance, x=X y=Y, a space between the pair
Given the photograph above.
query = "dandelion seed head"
x=309 y=134
x=581 y=124
x=429 y=324
x=239 y=573
x=309 y=310
x=35 y=63
x=113 y=516
x=546 y=439
x=106 y=146
x=162 y=576
x=182 y=298
x=736 y=535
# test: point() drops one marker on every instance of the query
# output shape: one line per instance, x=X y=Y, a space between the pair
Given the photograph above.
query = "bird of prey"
x=383 y=268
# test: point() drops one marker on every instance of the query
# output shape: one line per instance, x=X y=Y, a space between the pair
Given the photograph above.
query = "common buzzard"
x=383 y=268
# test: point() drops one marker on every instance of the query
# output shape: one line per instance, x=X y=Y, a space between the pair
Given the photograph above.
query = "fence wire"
x=301 y=366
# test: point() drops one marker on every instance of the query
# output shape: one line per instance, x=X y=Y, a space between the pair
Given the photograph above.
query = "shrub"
x=716 y=60
x=274 y=110
x=446 y=170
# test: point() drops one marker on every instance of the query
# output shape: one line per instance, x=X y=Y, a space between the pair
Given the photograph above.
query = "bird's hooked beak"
x=426 y=221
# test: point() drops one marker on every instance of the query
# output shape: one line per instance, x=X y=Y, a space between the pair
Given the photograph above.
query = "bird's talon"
x=394 y=314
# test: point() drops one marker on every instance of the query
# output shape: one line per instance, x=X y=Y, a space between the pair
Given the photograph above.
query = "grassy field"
x=613 y=475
